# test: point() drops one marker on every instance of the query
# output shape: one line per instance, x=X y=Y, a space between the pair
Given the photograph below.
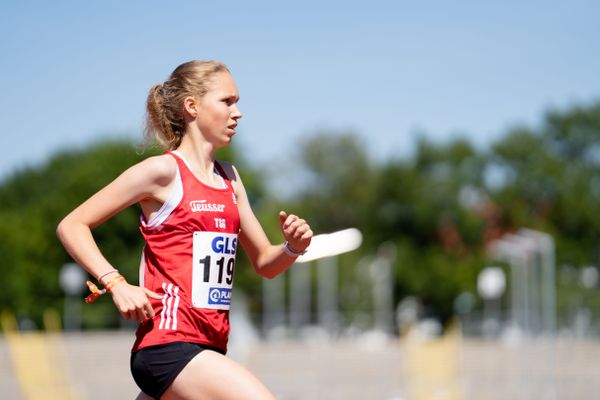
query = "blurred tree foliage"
x=34 y=200
x=440 y=208
x=445 y=204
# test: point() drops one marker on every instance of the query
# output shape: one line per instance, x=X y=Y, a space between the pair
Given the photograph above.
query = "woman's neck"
x=199 y=154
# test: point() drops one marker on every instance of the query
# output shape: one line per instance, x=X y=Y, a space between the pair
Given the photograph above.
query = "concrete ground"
x=94 y=366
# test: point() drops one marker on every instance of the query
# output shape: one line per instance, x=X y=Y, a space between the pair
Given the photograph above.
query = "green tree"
x=440 y=208
x=34 y=200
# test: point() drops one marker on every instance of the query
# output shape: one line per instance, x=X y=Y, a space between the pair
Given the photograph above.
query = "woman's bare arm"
x=268 y=260
x=147 y=180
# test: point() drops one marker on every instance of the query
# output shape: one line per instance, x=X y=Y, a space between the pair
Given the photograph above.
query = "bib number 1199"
x=225 y=274
x=214 y=265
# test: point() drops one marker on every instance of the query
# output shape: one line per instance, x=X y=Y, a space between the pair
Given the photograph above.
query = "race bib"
x=212 y=274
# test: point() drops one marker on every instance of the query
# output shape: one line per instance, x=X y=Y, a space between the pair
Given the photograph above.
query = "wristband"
x=107 y=288
x=292 y=252
x=95 y=292
x=114 y=282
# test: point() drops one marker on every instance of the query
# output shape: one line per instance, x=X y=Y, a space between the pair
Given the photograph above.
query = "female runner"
x=195 y=212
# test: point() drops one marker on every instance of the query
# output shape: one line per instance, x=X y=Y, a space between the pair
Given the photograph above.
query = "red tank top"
x=189 y=258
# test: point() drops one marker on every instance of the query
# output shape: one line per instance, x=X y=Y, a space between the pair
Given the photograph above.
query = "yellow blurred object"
x=432 y=366
x=51 y=320
x=38 y=360
x=9 y=323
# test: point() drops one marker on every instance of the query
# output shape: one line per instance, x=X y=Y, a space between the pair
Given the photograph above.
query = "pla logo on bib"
x=220 y=296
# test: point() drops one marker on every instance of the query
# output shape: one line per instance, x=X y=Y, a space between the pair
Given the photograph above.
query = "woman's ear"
x=190 y=106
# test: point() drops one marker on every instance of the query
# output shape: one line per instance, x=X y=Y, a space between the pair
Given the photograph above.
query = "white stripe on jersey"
x=162 y=313
x=175 y=307
x=170 y=301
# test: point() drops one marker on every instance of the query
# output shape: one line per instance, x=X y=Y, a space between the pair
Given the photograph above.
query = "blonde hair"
x=165 y=122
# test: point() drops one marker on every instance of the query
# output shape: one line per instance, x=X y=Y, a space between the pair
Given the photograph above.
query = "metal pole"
x=72 y=281
x=299 y=311
x=381 y=269
x=72 y=316
x=545 y=244
x=327 y=294
x=273 y=304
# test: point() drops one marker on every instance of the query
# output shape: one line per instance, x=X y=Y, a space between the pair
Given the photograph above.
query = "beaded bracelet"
x=106 y=274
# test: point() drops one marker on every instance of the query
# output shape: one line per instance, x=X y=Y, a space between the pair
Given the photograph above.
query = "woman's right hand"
x=133 y=301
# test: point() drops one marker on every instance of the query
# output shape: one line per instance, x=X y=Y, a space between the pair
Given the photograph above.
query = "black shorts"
x=154 y=368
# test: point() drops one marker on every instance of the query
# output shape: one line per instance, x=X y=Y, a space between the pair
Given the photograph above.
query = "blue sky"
x=74 y=72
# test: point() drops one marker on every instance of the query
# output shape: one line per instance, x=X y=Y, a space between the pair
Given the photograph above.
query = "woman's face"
x=218 y=112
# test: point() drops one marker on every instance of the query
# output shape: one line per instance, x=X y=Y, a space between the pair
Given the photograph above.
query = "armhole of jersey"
x=177 y=154
x=142 y=268
x=223 y=175
x=168 y=206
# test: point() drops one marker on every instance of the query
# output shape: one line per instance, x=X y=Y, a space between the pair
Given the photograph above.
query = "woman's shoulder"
x=160 y=169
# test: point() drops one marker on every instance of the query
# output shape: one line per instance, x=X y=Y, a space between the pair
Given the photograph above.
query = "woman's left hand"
x=296 y=231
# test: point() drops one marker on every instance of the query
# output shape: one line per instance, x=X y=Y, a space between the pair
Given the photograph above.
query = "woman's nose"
x=237 y=114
